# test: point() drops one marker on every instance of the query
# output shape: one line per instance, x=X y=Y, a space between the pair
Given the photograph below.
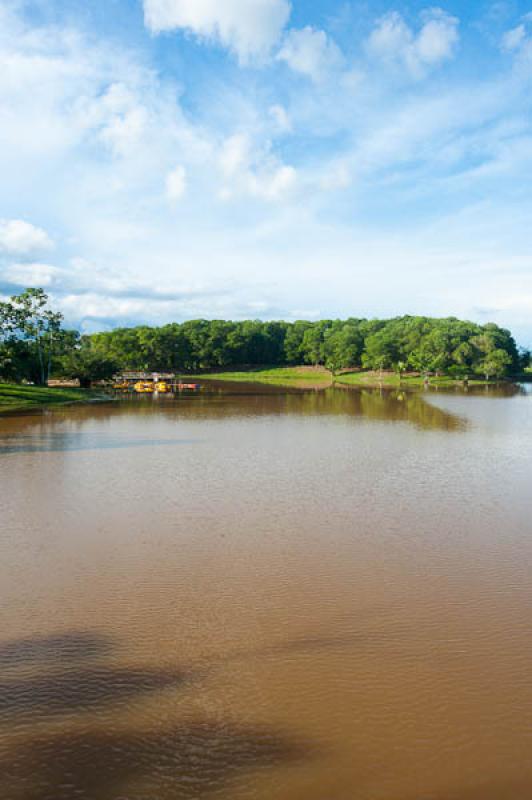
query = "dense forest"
x=34 y=345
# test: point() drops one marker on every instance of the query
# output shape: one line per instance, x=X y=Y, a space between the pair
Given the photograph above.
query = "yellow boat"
x=162 y=387
x=143 y=387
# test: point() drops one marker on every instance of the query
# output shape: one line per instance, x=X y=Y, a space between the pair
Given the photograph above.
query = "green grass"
x=279 y=376
x=19 y=396
x=310 y=376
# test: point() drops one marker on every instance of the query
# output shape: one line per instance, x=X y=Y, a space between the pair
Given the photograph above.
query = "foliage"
x=33 y=344
x=31 y=336
x=422 y=344
x=83 y=362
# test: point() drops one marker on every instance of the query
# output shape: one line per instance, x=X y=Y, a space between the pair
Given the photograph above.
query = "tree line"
x=34 y=345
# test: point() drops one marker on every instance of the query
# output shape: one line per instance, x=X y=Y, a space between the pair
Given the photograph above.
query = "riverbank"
x=15 y=397
x=278 y=376
x=319 y=376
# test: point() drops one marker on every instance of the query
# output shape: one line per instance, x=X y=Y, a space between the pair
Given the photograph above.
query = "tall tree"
x=495 y=364
x=83 y=361
x=39 y=327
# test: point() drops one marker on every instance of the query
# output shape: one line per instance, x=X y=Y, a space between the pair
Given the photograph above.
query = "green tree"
x=83 y=362
x=342 y=346
x=34 y=323
x=293 y=342
x=312 y=346
x=7 y=339
x=495 y=364
x=380 y=350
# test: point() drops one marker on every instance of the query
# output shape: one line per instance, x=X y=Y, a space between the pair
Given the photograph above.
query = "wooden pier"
x=152 y=383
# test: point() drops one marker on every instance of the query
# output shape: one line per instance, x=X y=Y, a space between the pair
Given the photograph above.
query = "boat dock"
x=152 y=383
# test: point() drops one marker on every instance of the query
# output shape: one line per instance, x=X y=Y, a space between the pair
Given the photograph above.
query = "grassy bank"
x=17 y=396
x=319 y=376
x=279 y=376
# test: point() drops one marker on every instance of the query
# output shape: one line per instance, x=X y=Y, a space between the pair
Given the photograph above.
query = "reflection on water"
x=68 y=646
x=81 y=689
x=40 y=431
x=254 y=593
x=181 y=763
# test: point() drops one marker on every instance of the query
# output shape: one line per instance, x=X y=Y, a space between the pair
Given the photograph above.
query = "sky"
x=164 y=160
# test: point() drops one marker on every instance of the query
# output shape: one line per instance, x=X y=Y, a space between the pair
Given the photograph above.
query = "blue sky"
x=170 y=159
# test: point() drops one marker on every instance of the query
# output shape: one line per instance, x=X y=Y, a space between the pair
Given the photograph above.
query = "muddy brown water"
x=262 y=594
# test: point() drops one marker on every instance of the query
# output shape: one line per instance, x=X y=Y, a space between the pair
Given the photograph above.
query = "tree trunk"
x=49 y=366
x=41 y=361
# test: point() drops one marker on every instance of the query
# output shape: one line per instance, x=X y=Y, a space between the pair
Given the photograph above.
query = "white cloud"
x=390 y=36
x=310 y=52
x=518 y=38
x=176 y=183
x=123 y=118
x=514 y=38
x=247 y=27
x=32 y=274
x=96 y=141
x=394 y=41
x=437 y=38
x=64 y=95
x=252 y=171
x=21 y=238
x=235 y=155
x=274 y=183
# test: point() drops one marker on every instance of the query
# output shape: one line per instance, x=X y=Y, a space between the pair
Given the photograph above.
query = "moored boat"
x=143 y=387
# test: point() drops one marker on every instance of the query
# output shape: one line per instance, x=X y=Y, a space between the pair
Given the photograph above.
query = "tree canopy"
x=34 y=345
x=421 y=344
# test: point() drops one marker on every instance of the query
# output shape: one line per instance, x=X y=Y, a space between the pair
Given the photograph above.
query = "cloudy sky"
x=172 y=159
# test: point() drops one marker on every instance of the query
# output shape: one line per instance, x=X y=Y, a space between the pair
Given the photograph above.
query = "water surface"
x=255 y=593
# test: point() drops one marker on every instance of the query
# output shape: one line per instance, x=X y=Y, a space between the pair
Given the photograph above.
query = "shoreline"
x=15 y=398
x=321 y=377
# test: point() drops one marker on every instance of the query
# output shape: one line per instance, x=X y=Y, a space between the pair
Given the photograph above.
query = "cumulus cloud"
x=21 y=238
x=252 y=171
x=122 y=117
x=176 y=183
x=31 y=274
x=93 y=298
x=393 y=40
x=85 y=289
x=95 y=137
x=310 y=52
x=249 y=28
x=66 y=96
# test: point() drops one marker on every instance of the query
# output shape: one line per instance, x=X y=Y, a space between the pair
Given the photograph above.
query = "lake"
x=265 y=594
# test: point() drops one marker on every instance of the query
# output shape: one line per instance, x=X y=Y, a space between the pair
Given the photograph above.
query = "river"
x=263 y=594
